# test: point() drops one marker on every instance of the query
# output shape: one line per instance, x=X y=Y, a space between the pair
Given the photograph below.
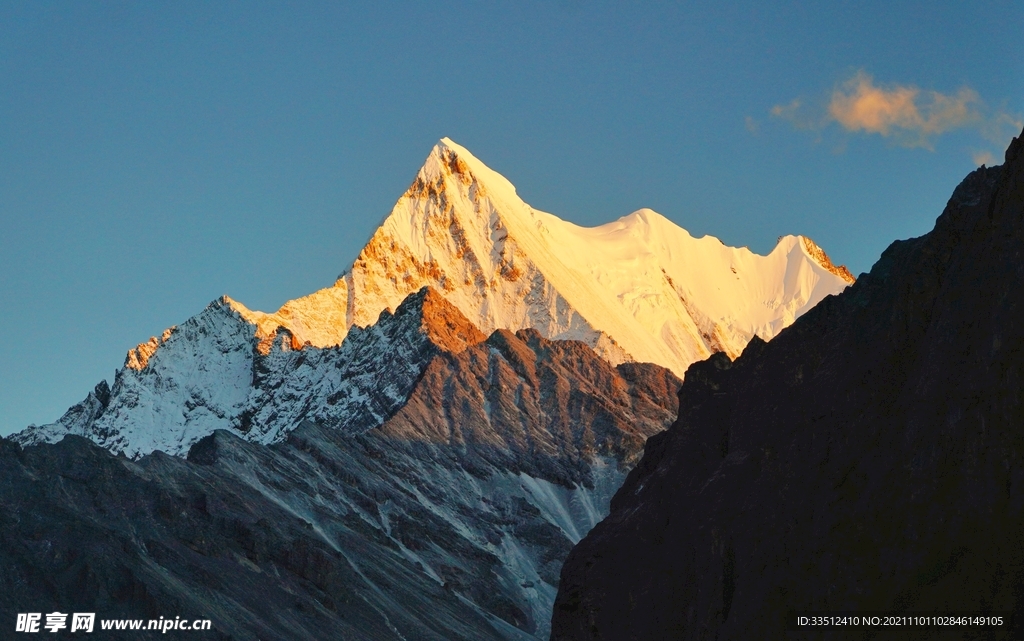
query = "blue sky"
x=155 y=156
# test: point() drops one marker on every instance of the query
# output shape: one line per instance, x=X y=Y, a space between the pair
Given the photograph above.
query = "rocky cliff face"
x=869 y=458
x=450 y=520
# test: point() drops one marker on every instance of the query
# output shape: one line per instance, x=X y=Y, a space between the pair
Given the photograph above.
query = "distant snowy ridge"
x=213 y=372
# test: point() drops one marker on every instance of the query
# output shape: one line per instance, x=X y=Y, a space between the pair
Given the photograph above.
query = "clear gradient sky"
x=154 y=156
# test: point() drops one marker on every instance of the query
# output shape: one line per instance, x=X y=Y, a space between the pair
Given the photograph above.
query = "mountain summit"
x=640 y=288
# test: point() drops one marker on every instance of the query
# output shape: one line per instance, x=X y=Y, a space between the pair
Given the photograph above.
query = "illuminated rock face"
x=870 y=458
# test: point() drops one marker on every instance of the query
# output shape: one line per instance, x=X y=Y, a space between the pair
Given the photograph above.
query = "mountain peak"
x=449 y=161
x=638 y=288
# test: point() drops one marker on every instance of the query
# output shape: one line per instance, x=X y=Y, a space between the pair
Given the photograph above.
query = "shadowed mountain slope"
x=869 y=458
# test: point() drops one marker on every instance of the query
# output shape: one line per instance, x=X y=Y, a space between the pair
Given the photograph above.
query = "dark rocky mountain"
x=448 y=521
x=870 y=458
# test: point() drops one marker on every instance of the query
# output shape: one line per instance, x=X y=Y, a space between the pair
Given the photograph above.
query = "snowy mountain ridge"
x=469 y=257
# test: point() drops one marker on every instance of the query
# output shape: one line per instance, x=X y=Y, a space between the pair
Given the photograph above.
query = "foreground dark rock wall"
x=869 y=458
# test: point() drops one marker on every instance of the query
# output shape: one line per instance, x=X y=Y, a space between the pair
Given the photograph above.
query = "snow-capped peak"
x=638 y=288
x=450 y=159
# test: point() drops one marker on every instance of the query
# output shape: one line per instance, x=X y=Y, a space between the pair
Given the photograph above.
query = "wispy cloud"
x=905 y=114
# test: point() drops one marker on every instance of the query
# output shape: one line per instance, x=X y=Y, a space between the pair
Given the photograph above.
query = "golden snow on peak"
x=138 y=357
x=818 y=254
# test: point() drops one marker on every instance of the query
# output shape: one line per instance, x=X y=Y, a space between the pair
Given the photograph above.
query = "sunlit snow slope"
x=640 y=288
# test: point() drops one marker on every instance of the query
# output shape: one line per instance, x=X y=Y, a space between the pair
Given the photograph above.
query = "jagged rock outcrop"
x=869 y=458
x=520 y=403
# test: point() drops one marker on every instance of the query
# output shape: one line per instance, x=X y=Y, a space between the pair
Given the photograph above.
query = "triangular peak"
x=448 y=158
x=451 y=175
